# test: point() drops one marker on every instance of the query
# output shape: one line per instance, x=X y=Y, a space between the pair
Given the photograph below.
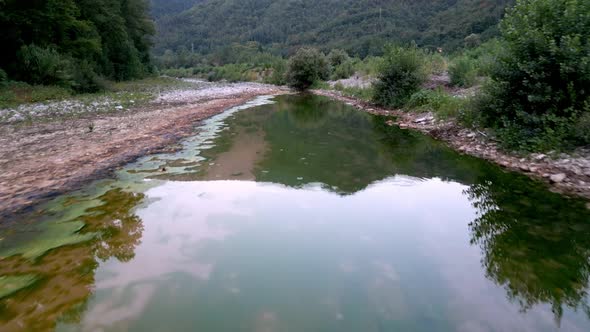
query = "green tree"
x=540 y=86
x=401 y=75
x=307 y=66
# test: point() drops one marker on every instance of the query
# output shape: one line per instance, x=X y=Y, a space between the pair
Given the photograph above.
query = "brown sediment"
x=567 y=174
x=42 y=160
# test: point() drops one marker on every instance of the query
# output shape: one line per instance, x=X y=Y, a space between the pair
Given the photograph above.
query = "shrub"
x=463 y=72
x=401 y=74
x=435 y=64
x=343 y=70
x=337 y=57
x=44 y=66
x=278 y=75
x=539 y=89
x=3 y=78
x=307 y=66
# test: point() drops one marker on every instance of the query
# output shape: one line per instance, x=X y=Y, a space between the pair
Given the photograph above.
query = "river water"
x=298 y=213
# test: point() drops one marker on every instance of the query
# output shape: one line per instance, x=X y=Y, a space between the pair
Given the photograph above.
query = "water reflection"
x=302 y=215
x=533 y=244
x=65 y=275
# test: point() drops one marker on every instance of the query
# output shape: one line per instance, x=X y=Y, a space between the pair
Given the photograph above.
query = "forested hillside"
x=161 y=8
x=359 y=26
x=75 y=43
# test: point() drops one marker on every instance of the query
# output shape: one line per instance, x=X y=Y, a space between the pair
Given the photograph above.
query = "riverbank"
x=53 y=154
x=568 y=174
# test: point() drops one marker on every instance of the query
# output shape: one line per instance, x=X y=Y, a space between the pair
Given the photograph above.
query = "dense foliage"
x=539 y=96
x=307 y=66
x=401 y=75
x=74 y=43
x=360 y=27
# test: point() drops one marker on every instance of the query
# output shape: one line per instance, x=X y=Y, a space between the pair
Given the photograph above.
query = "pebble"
x=558 y=178
x=524 y=168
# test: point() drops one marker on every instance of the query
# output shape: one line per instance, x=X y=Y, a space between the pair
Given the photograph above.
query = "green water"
x=300 y=214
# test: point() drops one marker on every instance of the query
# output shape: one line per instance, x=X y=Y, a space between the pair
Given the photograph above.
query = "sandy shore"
x=41 y=160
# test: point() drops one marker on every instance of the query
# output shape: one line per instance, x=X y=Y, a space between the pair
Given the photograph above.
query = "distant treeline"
x=360 y=27
x=75 y=43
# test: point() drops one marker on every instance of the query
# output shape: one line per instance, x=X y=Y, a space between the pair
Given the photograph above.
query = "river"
x=298 y=213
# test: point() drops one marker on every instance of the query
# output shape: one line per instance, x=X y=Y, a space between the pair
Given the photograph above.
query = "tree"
x=401 y=75
x=307 y=66
x=540 y=86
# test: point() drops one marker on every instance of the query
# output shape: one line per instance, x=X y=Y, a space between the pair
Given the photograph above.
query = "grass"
x=17 y=93
x=365 y=94
x=439 y=102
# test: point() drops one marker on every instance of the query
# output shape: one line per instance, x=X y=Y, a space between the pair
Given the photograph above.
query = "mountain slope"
x=360 y=26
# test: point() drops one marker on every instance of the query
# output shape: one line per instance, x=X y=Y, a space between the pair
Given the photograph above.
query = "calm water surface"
x=300 y=214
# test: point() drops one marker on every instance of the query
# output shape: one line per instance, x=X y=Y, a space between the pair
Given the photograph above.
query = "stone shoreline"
x=568 y=174
x=42 y=160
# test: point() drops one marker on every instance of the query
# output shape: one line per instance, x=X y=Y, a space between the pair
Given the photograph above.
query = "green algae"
x=12 y=284
x=54 y=236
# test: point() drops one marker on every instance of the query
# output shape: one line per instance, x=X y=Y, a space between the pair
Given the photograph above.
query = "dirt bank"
x=43 y=159
x=566 y=173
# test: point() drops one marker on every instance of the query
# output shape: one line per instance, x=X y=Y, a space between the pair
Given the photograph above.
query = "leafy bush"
x=435 y=64
x=3 y=78
x=307 y=66
x=401 y=75
x=337 y=57
x=44 y=66
x=463 y=72
x=582 y=128
x=343 y=70
x=539 y=89
x=278 y=75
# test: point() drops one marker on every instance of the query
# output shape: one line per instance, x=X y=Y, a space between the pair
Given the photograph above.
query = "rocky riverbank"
x=49 y=156
x=568 y=174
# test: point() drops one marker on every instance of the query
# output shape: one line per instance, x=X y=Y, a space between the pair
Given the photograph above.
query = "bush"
x=539 y=88
x=44 y=66
x=463 y=73
x=343 y=70
x=337 y=57
x=3 y=78
x=435 y=64
x=307 y=66
x=401 y=75
x=278 y=75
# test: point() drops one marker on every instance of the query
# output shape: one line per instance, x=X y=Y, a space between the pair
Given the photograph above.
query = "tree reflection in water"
x=534 y=243
x=66 y=274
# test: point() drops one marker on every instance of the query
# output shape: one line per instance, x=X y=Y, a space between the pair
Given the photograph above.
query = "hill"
x=359 y=26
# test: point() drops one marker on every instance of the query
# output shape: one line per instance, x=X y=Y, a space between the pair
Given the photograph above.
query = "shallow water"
x=301 y=214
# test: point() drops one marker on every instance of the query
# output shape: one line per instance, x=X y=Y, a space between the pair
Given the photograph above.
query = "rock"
x=540 y=157
x=471 y=135
x=524 y=168
x=504 y=163
x=119 y=107
x=557 y=178
x=423 y=119
x=533 y=169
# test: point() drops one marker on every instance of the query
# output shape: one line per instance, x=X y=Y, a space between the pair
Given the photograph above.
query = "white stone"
x=558 y=178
